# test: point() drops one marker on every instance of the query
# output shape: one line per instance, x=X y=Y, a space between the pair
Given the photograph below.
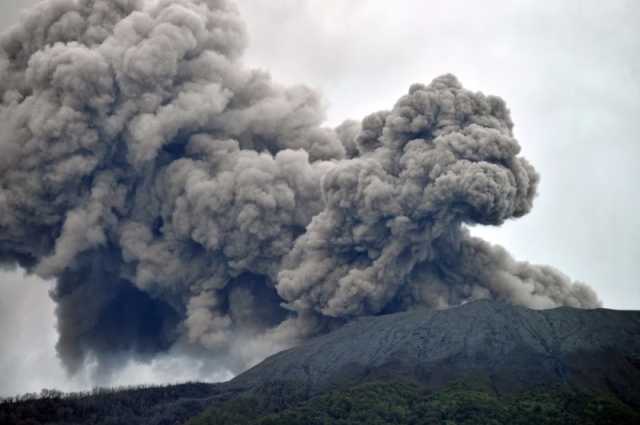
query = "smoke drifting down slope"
x=181 y=200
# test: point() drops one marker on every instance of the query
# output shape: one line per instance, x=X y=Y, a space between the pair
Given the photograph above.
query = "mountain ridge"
x=478 y=336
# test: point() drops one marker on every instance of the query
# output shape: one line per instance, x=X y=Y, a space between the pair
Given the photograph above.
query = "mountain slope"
x=483 y=362
x=513 y=348
x=408 y=403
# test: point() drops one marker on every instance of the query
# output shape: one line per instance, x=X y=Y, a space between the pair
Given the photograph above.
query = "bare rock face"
x=508 y=347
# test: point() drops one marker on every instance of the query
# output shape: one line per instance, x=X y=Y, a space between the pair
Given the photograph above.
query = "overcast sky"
x=569 y=71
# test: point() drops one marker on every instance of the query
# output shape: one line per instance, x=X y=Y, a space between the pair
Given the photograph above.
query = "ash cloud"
x=182 y=201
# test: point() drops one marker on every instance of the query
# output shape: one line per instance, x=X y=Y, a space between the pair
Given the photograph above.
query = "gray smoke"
x=182 y=200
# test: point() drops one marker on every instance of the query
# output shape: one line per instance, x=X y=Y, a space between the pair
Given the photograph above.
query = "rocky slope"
x=511 y=348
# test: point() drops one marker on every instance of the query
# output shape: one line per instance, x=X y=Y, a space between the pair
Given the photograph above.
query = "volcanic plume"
x=179 y=199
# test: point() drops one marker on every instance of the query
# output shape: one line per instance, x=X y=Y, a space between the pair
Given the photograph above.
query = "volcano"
x=512 y=348
x=482 y=362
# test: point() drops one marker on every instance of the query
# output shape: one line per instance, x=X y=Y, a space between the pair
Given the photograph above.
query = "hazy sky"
x=569 y=71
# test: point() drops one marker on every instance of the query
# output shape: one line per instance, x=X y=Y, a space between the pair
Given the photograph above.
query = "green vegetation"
x=373 y=403
x=403 y=403
x=165 y=405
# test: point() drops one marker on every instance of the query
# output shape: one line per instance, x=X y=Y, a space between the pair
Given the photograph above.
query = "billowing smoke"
x=181 y=200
